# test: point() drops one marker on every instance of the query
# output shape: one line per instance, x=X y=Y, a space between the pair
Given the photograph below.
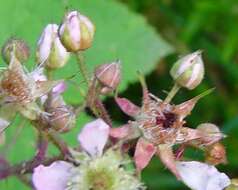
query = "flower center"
x=167 y=120
x=100 y=179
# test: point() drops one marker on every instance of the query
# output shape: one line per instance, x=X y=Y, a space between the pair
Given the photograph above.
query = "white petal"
x=45 y=42
x=53 y=177
x=93 y=137
x=74 y=27
x=201 y=176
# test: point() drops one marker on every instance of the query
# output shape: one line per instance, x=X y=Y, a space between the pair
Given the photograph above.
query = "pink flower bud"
x=188 y=71
x=50 y=50
x=76 y=32
x=18 y=47
x=109 y=75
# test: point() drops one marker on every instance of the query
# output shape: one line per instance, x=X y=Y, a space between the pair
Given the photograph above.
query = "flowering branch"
x=155 y=128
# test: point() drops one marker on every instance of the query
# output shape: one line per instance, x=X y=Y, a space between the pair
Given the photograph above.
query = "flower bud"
x=50 y=50
x=109 y=76
x=20 y=48
x=188 y=71
x=62 y=117
x=76 y=32
x=216 y=154
x=211 y=133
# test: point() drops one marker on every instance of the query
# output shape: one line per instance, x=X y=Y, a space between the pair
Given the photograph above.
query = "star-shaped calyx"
x=159 y=125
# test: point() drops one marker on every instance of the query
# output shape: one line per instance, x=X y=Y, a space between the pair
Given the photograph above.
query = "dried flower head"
x=19 y=88
x=159 y=126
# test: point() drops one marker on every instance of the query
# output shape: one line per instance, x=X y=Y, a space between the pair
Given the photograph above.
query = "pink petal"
x=127 y=106
x=143 y=154
x=120 y=132
x=59 y=88
x=53 y=177
x=93 y=137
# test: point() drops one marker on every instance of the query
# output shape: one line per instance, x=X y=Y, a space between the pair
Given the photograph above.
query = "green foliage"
x=120 y=34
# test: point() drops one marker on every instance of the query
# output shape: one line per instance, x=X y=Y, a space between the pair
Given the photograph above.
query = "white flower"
x=201 y=176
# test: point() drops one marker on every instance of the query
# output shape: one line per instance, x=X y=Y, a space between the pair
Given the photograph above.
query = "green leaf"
x=120 y=34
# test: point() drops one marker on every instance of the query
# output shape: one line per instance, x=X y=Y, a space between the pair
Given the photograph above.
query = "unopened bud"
x=50 y=49
x=62 y=117
x=188 y=71
x=18 y=47
x=216 y=154
x=211 y=133
x=76 y=32
x=109 y=76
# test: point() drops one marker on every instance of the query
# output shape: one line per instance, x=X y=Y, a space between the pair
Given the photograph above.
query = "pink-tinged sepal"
x=127 y=106
x=210 y=134
x=120 y=132
x=143 y=154
x=186 y=134
x=145 y=91
x=166 y=155
x=184 y=109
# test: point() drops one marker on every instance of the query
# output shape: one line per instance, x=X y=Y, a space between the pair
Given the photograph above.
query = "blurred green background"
x=147 y=35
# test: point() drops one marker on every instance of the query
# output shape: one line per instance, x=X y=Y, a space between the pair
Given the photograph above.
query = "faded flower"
x=19 y=90
x=159 y=126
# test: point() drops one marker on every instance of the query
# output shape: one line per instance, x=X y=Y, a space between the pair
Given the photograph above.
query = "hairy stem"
x=58 y=142
x=82 y=67
x=95 y=104
x=41 y=147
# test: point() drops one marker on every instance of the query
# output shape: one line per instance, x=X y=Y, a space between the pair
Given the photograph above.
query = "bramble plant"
x=102 y=160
